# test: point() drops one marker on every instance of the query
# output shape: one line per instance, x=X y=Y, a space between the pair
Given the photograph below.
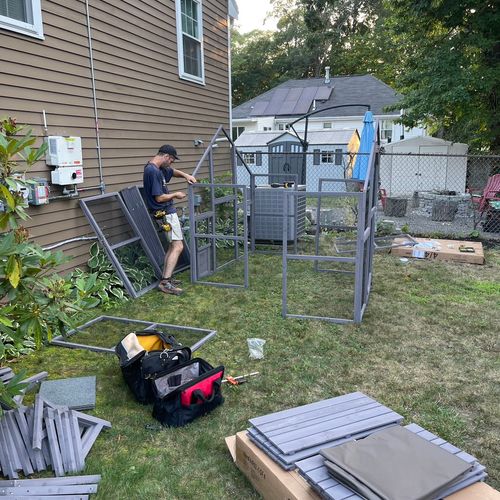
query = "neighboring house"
x=147 y=72
x=283 y=104
x=330 y=155
x=423 y=164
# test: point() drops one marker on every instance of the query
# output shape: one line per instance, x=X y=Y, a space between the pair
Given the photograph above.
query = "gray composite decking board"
x=318 y=414
x=11 y=446
x=288 y=461
x=38 y=423
x=316 y=473
x=83 y=418
x=40 y=459
x=22 y=425
x=60 y=481
x=53 y=497
x=311 y=437
x=89 y=438
x=19 y=443
x=7 y=466
x=291 y=412
x=76 y=440
x=49 y=490
x=55 y=452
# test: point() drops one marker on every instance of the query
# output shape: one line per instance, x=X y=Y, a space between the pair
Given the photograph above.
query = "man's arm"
x=178 y=195
x=189 y=178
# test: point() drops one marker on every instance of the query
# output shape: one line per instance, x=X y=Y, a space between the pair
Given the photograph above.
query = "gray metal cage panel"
x=205 y=334
x=146 y=227
x=204 y=258
x=365 y=241
x=110 y=247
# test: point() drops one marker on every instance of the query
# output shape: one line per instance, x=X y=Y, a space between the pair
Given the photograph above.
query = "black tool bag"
x=186 y=392
x=143 y=355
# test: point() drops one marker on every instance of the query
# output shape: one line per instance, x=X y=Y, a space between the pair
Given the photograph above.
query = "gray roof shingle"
x=356 y=89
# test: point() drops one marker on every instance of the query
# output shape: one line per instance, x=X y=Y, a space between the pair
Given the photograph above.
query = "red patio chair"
x=481 y=201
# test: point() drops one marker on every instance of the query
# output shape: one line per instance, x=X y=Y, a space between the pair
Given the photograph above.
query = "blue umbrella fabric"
x=365 y=146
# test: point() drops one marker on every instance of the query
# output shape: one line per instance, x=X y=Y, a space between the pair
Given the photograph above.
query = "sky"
x=252 y=14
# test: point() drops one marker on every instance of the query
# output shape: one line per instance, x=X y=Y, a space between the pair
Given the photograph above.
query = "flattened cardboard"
x=267 y=477
x=478 y=491
x=443 y=250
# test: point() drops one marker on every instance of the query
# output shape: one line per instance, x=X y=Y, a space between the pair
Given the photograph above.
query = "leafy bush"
x=102 y=287
x=34 y=302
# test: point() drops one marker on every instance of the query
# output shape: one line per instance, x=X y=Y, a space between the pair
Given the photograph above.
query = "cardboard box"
x=441 y=250
x=274 y=483
x=478 y=491
x=266 y=476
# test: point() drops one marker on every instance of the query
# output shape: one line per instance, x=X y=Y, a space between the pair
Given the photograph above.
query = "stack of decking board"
x=293 y=438
x=298 y=433
x=33 y=439
x=316 y=473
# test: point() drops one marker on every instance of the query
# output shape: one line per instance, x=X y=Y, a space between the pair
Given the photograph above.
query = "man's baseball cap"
x=167 y=149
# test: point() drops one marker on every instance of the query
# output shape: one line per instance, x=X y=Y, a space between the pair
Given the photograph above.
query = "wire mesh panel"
x=340 y=295
x=120 y=237
x=219 y=234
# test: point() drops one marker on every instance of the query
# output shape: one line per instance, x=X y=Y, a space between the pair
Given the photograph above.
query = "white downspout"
x=102 y=186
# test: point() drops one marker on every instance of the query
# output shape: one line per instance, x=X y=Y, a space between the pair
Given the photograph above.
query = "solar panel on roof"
x=305 y=101
x=277 y=99
x=323 y=93
x=259 y=108
x=290 y=102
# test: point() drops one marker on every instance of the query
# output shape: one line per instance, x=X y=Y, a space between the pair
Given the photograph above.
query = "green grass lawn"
x=428 y=348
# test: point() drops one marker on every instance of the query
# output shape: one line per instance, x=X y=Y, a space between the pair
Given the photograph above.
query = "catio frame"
x=362 y=257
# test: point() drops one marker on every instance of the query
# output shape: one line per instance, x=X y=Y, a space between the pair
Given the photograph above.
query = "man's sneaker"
x=166 y=286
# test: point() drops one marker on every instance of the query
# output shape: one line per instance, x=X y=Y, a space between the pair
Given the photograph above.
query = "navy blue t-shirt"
x=155 y=184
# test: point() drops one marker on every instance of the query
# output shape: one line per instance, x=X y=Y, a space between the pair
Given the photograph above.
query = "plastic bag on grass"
x=256 y=348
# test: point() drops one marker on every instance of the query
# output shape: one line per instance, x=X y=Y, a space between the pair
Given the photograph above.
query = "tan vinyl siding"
x=142 y=102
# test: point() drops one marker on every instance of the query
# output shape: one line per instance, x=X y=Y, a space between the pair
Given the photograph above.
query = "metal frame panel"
x=61 y=341
x=212 y=235
x=365 y=241
x=110 y=248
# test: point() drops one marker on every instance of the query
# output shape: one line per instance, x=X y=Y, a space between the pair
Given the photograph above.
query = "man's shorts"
x=176 y=233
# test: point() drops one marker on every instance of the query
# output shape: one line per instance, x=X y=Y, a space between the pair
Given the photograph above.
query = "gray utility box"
x=269 y=213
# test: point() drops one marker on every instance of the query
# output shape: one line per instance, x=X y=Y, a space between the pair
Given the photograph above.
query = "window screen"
x=15 y=9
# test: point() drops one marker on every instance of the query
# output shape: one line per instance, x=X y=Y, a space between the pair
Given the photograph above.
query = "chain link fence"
x=435 y=195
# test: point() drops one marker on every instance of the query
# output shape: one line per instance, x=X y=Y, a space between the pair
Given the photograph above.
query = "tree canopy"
x=441 y=55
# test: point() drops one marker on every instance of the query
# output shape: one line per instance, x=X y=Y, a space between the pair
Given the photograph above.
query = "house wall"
x=142 y=103
x=337 y=124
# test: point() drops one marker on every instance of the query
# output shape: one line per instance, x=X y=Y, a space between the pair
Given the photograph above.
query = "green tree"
x=448 y=71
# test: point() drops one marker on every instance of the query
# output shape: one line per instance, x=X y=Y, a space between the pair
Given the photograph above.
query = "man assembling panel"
x=160 y=202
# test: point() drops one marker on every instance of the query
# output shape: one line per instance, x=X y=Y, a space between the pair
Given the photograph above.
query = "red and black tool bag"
x=186 y=392
x=145 y=354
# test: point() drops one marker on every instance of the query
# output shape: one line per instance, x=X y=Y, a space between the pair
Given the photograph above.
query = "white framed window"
x=386 y=130
x=327 y=157
x=237 y=131
x=22 y=16
x=249 y=158
x=327 y=124
x=190 y=40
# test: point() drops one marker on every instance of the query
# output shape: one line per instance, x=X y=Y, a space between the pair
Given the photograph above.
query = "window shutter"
x=316 y=156
x=258 y=158
x=238 y=161
x=338 y=157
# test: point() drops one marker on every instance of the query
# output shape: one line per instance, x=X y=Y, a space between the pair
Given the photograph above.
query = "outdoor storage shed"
x=330 y=154
x=423 y=164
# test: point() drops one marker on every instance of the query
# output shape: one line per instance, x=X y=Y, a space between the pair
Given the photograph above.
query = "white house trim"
x=33 y=29
x=180 y=46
